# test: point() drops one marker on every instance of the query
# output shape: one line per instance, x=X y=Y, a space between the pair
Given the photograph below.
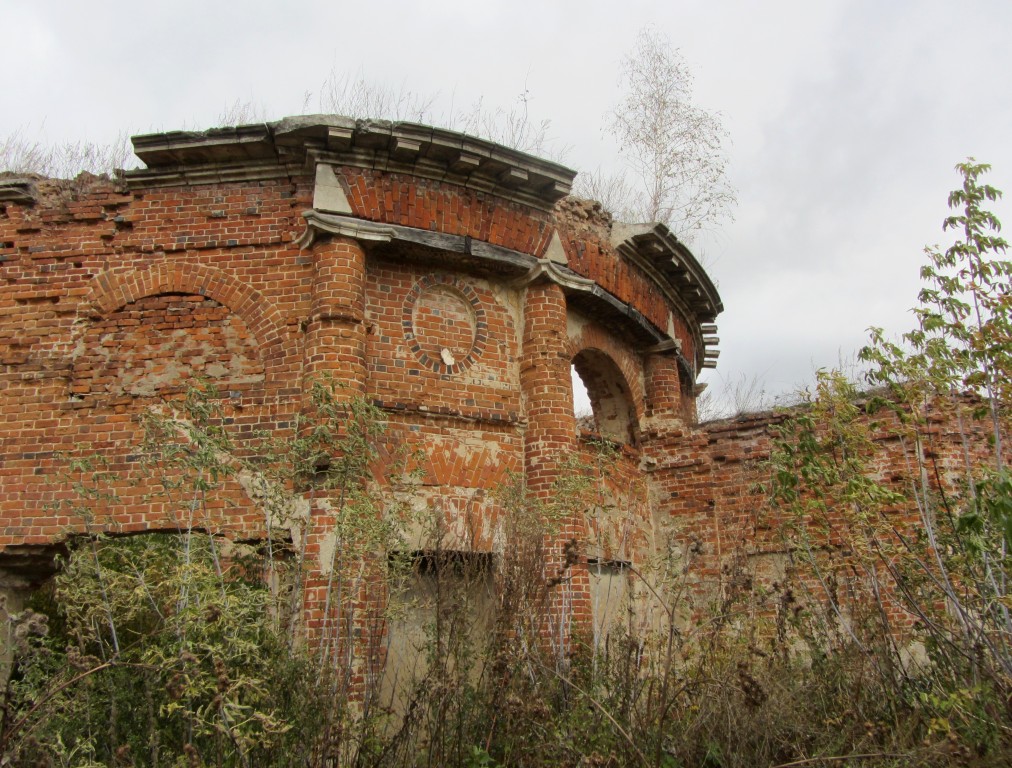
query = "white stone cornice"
x=531 y=269
x=292 y=145
x=17 y=190
x=671 y=266
x=665 y=347
x=551 y=270
x=343 y=226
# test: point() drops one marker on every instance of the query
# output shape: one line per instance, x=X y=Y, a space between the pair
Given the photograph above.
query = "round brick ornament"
x=444 y=324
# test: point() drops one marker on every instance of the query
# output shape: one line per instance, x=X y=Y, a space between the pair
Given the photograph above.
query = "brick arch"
x=593 y=337
x=115 y=288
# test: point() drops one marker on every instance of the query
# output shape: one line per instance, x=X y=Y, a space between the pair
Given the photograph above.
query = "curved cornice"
x=344 y=226
x=17 y=190
x=672 y=267
x=562 y=276
x=294 y=144
x=526 y=267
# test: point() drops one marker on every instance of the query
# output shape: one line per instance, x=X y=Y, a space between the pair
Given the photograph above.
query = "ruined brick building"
x=448 y=280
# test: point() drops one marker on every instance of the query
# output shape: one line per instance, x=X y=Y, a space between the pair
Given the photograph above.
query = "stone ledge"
x=180 y=157
x=581 y=290
x=28 y=565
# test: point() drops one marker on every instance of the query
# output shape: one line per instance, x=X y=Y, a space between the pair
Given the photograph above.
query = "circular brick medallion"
x=444 y=324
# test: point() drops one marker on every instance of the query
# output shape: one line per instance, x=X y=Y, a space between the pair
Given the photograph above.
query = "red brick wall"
x=159 y=344
x=405 y=339
x=711 y=481
x=592 y=257
x=433 y=206
x=110 y=301
x=113 y=300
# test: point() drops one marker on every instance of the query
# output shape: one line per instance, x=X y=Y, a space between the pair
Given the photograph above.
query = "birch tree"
x=673 y=148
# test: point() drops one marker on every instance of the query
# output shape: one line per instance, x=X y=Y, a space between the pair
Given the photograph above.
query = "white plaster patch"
x=575 y=324
x=510 y=299
x=328 y=194
x=556 y=252
x=329 y=543
x=472 y=447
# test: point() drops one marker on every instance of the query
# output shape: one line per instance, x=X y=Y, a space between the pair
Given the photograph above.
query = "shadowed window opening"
x=430 y=562
x=609 y=596
x=442 y=603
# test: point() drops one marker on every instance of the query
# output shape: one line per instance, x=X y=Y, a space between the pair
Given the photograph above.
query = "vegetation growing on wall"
x=885 y=642
x=185 y=646
x=938 y=636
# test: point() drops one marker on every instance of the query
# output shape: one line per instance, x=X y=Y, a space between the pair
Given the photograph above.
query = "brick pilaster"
x=549 y=444
x=665 y=409
x=343 y=602
x=335 y=329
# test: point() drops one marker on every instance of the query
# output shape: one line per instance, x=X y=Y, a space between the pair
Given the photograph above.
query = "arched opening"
x=601 y=398
x=161 y=344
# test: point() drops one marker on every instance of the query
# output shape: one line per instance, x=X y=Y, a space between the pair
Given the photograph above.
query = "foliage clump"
x=912 y=562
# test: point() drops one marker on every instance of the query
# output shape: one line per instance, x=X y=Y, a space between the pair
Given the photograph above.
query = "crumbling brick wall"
x=457 y=305
x=448 y=281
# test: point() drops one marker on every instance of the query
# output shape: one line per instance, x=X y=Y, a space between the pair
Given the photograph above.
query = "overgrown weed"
x=182 y=648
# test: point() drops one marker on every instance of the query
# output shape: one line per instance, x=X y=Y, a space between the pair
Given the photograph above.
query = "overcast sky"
x=846 y=118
